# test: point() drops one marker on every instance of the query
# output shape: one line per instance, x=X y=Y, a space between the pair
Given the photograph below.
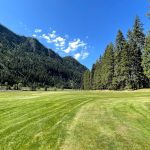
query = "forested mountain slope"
x=25 y=60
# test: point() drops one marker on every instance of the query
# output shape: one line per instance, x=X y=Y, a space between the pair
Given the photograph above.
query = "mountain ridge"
x=37 y=64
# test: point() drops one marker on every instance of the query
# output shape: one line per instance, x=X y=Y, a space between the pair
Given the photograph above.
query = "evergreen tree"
x=107 y=71
x=120 y=44
x=86 y=80
x=97 y=82
x=92 y=76
x=138 y=35
x=121 y=67
x=136 y=40
x=125 y=67
x=146 y=57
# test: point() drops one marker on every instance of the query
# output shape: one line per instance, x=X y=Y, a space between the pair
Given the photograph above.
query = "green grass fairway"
x=75 y=120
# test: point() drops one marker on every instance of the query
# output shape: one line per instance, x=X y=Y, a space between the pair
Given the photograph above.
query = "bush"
x=20 y=86
x=15 y=87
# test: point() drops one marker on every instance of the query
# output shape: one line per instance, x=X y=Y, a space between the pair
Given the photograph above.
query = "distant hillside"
x=25 y=60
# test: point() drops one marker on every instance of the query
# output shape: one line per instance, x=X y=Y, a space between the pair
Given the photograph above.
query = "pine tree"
x=136 y=40
x=86 y=80
x=120 y=43
x=138 y=35
x=121 y=66
x=97 y=75
x=146 y=57
x=92 y=76
x=107 y=71
x=125 y=67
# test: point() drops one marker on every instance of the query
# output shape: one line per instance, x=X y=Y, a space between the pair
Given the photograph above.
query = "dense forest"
x=124 y=65
x=26 y=62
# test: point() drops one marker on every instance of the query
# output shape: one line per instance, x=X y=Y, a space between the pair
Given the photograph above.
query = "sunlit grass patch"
x=75 y=120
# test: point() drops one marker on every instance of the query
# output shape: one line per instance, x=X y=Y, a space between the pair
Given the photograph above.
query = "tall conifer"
x=137 y=41
x=86 y=80
x=119 y=46
x=107 y=71
x=146 y=57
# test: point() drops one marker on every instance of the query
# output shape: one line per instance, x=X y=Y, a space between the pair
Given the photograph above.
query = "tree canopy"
x=124 y=65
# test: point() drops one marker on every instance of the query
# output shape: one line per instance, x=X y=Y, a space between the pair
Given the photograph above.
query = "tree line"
x=124 y=65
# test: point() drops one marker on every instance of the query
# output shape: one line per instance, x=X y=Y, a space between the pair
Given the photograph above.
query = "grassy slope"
x=75 y=120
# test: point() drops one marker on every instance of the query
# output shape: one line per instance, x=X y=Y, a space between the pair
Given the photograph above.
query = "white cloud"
x=74 y=45
x=53 y=38
x=85 y=55
x=52 y=35
x=77 y=56
x=34 y=35
x=82 y=55
x=59 y=41
x=46 y=37
x=38 y=30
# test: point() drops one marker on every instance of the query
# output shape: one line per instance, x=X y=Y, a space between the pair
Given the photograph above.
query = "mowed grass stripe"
x=27 y=111
x=96 y=120
x=34 y=105
x=35 y=118
x=72 y=102
x=30 y=102
x=98 y=125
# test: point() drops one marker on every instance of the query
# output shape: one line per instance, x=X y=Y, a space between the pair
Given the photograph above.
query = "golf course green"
x=75 y=120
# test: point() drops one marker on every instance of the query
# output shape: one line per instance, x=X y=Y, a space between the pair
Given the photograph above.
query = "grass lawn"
x=74 y=120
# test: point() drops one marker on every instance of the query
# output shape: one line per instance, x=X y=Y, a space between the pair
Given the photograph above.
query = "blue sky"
x=80 y=28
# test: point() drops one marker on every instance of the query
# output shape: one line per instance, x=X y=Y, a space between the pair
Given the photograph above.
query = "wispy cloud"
x=59 y=41
x=53 y=38
x=38 y=30
x=34 y=35
x=82 y=55
x=76 y=47
x=85 y=55
x=77 y=56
